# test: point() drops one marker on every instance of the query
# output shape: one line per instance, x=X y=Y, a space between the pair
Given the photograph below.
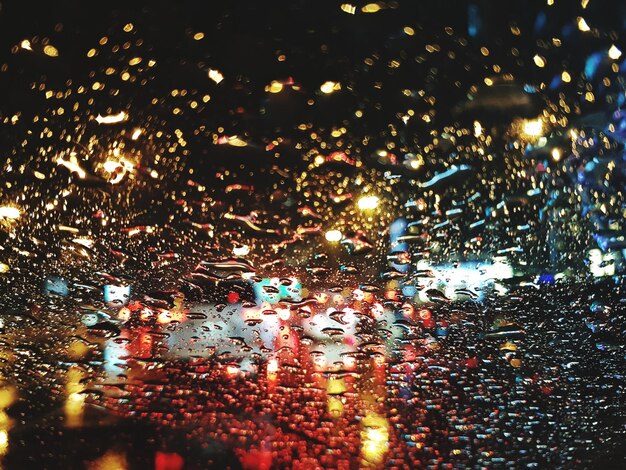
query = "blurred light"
x=233 y=141
x=335 y=406
x=274 y=87
x=7 y=398
x=4 y=268
x=86 y=242
x=566 y=77
x=371 y=8
x=601 y=264
x=242 y=250
x=533 y=128
x=377 y=309
x=145 y=315
x=374 y=438
x=111 y=165
x=113 y=460
x=50 y=51
x=284 y=314
x=336 y=386
x=348 y=8
x=25 y=44
x=333 y=236
x=136 y=134
x=123 y=314
x=425 y=314
x=215 y=75
x=272 y=366
x=368 y=202
x=582 y=24
x=74 y=406
x=330 y=87
x=9 y=212
x=408 y=310
x=112 y=118
x=408 y=31
x=556 y=154
x=4 y=441
x=539 y=61
x=478 y=129
x=164 y=317
x=614 y=52
x=198 y=36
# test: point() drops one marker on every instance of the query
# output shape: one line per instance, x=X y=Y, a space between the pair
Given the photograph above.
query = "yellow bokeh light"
x=51 y=51
x=330 y=87
x=371 y=8
x=274 y=87
x=539 y=61
x=348 y=8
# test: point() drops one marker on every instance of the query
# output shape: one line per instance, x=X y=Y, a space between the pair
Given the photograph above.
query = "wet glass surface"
x=312 y=235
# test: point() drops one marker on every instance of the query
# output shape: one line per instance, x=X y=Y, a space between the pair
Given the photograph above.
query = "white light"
x=582 y=24
x=556 y=154
x=72 y=165
x=368 y=202
x=539 y=61
x=112 y=118
x=614 y=52
x=216 y=75
x=9 y=212
x=242 y=250
x=334 y=236
x=478 y=129
x=111 y=165
x=330 y=87
x=272 y=366
x=136 y=134
x=601 y=264
x=533 y=128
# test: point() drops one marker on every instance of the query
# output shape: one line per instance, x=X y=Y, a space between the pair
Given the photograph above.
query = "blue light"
x=474 y=23
x=546 y=279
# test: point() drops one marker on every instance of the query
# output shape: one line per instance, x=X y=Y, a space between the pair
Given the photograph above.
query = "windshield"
x=312 y=234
